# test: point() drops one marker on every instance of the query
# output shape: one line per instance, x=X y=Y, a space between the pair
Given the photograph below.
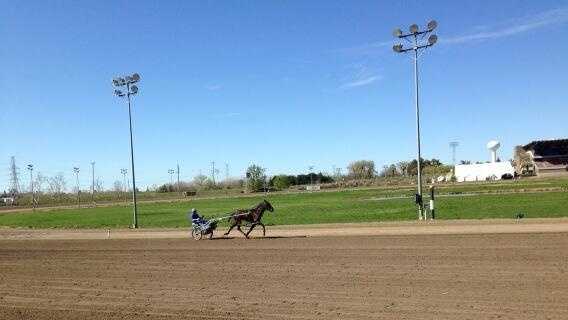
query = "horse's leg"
x=230 y=228
x=241 y=230
x=263 y=229
x=250 y=230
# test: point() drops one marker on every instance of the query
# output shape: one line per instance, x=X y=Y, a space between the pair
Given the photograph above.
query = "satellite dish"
x=135 y=77
x=413 y=28
x=397 y=33
x=432 y=25
x=432 y=39
x=133 y=89
x=397 y=48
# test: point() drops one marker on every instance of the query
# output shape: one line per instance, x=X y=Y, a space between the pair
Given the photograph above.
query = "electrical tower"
x=14 y=180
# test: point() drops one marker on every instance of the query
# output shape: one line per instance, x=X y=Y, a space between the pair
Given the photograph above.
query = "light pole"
x=76 y=170
x=454 y=145
x=311 y=168
x=124 y=172
x=417 y=44
x=93 y=182
x=171 y=172
x=131 y=89
x=31 y=169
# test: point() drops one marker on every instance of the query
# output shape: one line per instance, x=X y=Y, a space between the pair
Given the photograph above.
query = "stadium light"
x=131 y=90
x=417 y=44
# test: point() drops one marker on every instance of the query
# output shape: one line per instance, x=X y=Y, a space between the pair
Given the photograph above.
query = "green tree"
x=256 y=178
x=281 y=182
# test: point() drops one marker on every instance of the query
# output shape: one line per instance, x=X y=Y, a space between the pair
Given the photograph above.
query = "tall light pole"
x=76 y=170
x=31 y=169
x=131 y=89
x=177 y=177
x=93 y=182
x=171 y=172
x=417 y=44
x=454 y=145
x=124 y=172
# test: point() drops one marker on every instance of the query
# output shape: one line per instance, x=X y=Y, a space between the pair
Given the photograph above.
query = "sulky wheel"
x=196 y=234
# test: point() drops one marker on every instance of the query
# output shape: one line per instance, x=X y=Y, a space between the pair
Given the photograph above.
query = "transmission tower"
x=14 y=180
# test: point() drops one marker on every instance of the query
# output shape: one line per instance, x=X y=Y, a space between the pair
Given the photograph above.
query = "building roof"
x=548 y=148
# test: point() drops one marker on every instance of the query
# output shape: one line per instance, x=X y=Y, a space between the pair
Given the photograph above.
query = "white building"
x=483 y=171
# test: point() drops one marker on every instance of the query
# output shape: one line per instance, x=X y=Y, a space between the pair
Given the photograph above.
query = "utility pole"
x=31 y=169
x=131 y=89
x=93 y=182
x=415 y=47
x=76 y=170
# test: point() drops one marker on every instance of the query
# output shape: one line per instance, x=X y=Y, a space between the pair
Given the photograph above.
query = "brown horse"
x=252 y=216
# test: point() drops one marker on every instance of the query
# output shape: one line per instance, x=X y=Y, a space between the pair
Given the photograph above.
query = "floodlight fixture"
x=397 y=32
x=397 y=48
x=432 y=25
x=432 y=40
x=135 y=77
x=118 y=82
x=413 y=29
x=133 y=89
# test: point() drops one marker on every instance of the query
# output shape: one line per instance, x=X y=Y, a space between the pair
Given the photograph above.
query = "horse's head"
x=268 y=206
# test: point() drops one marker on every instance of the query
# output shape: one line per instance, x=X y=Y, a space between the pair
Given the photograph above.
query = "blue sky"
x=284 y=84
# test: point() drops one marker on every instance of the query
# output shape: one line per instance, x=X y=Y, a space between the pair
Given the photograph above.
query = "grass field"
x=502 y=200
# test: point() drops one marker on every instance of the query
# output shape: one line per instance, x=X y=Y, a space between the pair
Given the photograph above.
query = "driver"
x=196 y=218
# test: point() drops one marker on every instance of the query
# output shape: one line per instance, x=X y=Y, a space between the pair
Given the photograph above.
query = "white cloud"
x=513 y=27
x=360 y=82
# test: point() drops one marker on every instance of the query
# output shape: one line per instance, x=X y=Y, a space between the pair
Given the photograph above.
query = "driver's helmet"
x=193 y=210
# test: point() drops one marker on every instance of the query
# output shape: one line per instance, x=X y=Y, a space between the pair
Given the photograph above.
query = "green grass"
x=361 y=205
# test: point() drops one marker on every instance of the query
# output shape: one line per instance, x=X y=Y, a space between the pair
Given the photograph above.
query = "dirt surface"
x=488 y=226
x=410 y=276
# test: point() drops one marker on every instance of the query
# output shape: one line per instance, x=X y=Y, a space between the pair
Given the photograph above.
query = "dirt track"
x=444 y=276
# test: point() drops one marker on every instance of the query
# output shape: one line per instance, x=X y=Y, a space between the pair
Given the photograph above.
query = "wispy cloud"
x=213 y=87
x=360 y=74
x=513 y=27
x=508 y=28
x=360 y=83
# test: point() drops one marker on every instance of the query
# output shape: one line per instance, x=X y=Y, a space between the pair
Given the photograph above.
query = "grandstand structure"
x=543 y=158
